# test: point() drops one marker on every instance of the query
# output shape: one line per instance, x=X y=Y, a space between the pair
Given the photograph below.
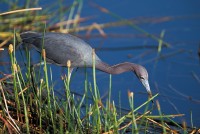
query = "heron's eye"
x=141 y=77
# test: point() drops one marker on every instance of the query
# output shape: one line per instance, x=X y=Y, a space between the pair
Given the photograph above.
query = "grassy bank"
x=29 y=105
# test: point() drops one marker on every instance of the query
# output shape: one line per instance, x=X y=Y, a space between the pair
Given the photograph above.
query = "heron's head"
x=142 y=75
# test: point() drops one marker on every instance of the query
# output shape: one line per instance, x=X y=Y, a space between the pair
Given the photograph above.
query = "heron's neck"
x=118 y=68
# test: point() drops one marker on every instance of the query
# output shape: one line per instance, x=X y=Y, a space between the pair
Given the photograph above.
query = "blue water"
x=171 y=76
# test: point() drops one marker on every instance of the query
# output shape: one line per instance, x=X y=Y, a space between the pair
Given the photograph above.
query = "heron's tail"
x=29 y=36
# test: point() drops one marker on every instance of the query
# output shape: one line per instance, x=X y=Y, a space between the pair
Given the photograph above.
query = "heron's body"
x=60 y=48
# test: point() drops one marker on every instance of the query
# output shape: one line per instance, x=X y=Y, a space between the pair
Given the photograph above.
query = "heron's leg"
x=32 y=73
x=38 y=64
x=76 y=69
x=32 y=76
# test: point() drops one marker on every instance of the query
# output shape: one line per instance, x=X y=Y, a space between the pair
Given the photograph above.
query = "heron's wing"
x=60 y=51
x=32 y=39
x=59 y=47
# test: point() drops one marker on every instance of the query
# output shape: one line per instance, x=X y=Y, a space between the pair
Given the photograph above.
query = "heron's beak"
x=146 y=85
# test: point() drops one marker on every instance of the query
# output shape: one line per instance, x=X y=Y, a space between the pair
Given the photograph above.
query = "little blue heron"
x=61 y=47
